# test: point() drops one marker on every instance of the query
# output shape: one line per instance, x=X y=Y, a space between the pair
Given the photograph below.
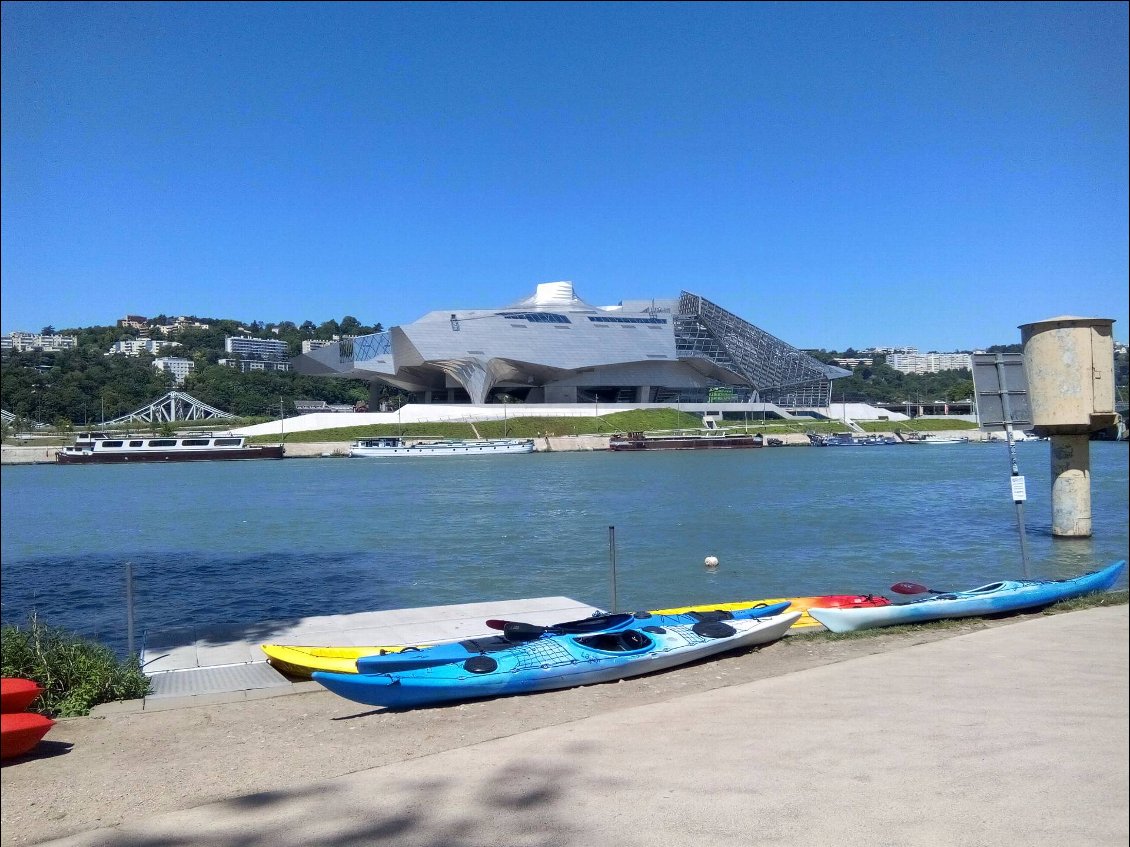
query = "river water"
x=244 y=543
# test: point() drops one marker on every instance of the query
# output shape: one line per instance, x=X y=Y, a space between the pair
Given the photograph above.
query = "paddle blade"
x=518 y=631
x=494 y=623
x=909 y=588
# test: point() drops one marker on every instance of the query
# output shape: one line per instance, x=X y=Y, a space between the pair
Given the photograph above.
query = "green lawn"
x=638 y=420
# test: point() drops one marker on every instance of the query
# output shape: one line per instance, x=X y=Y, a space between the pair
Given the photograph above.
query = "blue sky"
x=841 y=175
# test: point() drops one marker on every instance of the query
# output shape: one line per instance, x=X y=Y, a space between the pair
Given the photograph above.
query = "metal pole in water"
x=612 y=565
x=1019 y=495
x=129 y=609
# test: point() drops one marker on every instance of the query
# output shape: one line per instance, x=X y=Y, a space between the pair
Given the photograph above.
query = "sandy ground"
x=98 y=772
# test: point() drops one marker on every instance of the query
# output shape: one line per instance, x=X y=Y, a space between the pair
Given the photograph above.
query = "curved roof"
x=554 y=295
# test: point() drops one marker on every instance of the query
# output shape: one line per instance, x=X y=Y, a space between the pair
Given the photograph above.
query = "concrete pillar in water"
x=1069 y=363
x=1071 y=486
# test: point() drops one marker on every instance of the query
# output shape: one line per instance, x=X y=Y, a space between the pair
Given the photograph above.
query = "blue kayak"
x=557 y=661
x=994 y=598
x=515 y=632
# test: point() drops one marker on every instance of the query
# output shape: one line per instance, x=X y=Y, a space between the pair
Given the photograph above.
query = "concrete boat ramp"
x=217 y=663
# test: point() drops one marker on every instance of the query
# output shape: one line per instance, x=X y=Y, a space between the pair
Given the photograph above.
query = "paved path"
x=1014 y=735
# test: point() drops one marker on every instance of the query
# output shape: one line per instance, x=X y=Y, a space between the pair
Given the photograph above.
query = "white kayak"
x=994 y=598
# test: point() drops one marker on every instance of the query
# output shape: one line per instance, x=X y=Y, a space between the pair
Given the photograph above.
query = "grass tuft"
x=76 y=674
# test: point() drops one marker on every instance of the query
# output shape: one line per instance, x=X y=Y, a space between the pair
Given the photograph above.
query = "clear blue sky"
x=841 y=175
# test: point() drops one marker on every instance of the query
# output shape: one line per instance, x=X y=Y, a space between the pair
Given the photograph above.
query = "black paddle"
x=519 y=631
x=913 y=588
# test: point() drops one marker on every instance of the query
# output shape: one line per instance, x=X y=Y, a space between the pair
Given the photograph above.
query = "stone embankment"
x=23 y=454
x=542 y=444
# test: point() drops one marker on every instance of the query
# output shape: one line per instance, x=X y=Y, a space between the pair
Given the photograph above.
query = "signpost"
x=1001 y=387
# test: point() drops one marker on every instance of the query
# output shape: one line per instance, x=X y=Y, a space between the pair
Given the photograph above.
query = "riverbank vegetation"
x=76 y=674
x=636 y=420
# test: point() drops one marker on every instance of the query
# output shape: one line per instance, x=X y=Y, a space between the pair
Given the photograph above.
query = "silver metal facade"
x=776 y=372
x=555 y=348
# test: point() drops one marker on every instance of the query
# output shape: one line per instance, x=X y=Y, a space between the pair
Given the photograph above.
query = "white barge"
x=97 y=448
x=396 y=446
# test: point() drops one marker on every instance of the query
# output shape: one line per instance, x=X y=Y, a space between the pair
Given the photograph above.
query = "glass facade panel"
x=536 y=317
x=777 y=372
x=367 y=347
x=602 y=319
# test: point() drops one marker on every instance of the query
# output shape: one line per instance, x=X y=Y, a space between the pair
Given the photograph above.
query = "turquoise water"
x=244 y=543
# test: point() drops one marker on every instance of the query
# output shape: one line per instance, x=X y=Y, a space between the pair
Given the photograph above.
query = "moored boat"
x=385 y=446
x=717 y=440
x=559 y=661
x=99 y=448
x=846 y=439
x=993 y=598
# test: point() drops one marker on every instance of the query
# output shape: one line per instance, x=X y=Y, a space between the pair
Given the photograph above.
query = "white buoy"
x=711 y=562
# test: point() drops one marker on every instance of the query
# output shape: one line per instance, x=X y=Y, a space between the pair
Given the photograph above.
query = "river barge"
x=394 y=446
x=99 y=448
x=639 y=441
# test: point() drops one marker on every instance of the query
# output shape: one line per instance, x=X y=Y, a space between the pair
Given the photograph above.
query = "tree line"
x=83 y=386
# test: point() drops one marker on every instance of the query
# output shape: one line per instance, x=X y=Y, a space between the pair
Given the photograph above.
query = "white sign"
x=1018 y=493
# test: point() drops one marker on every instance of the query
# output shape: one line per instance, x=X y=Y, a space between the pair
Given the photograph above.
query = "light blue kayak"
x=515 y=632
x=994 y=598
x=557 y=661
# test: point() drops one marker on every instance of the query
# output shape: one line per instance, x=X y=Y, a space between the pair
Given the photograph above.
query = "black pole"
x=129 y=610
x=612 y=565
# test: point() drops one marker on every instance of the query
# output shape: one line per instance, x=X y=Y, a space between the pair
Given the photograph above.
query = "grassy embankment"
x=652 y=421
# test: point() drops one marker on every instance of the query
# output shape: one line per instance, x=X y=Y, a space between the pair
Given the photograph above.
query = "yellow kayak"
x=797 y=604
x=303 y=661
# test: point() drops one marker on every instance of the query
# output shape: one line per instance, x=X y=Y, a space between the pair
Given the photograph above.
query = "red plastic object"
x=19 y=733
x=843 y=601
x=17 y=694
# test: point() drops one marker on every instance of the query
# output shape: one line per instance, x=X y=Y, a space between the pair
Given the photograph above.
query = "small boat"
x=99 y=448
x=302 y=661
x=559 y=661
x=517 y=632
x=796 y=604
x=719 y=440
x=16 y=694
x=994 y=598
x=385 y=446
x=21 y=731
x=844 y=439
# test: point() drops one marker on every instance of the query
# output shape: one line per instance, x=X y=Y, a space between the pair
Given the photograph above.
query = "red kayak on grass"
x=16 y=694
x=20 y=732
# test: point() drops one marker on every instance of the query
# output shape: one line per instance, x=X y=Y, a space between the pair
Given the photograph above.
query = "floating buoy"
x=711 y=562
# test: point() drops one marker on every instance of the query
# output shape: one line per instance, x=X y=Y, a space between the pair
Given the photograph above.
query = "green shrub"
x=75 y=673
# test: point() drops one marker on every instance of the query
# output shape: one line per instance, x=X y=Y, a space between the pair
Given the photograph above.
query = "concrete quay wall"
x=22 y=454
x=30 y=455
x=542 y=444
